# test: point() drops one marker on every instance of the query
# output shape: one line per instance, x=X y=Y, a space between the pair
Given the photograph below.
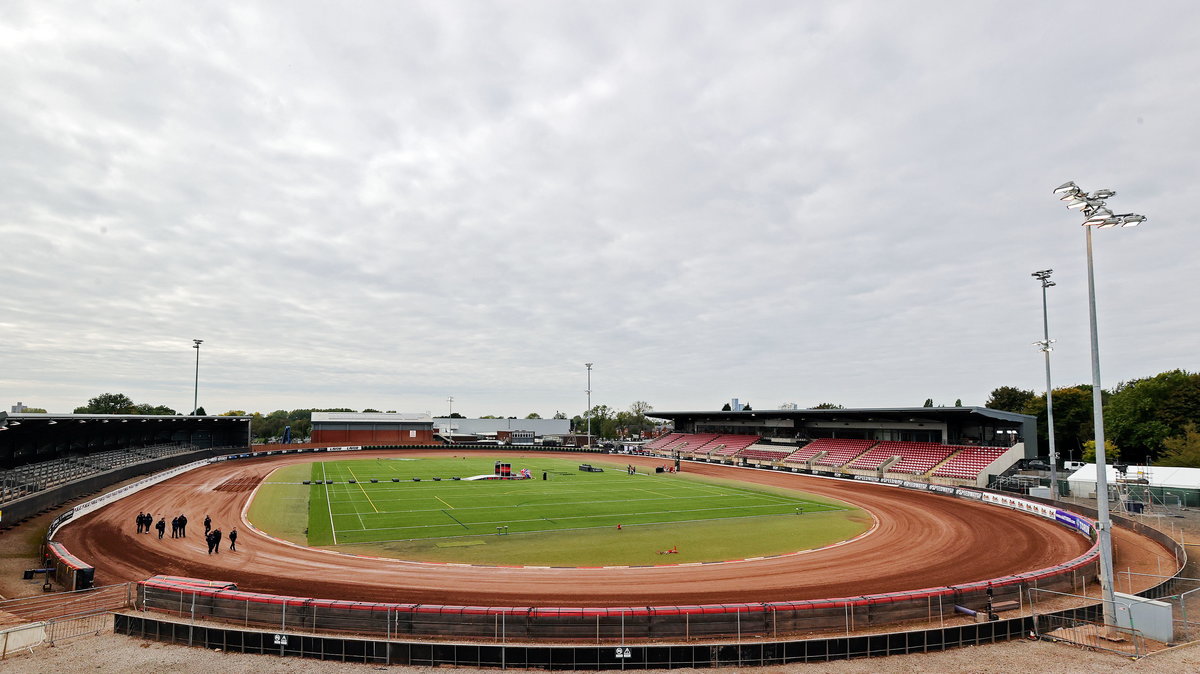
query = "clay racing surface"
x=923 y=540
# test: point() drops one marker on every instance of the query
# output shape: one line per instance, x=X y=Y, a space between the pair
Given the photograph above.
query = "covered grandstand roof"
x=906 y=414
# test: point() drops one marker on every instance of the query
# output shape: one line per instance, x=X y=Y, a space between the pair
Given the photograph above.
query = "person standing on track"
x=141 y=521
x=233 y=539
x=208 y=538
x=207 y=524
x=174 y=527
x=161 y=526
x=182 y=525
x=216 y=534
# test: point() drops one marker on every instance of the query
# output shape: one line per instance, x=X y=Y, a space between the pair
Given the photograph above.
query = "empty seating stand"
x=873 y=458
x=840 y=451
x=23 y=480
x=759 y=453
x=916 y=458
x=969 y=462
x=663 y=441
x=727 y=446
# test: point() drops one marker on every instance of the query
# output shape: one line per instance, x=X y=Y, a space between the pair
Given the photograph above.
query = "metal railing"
x=75 y=603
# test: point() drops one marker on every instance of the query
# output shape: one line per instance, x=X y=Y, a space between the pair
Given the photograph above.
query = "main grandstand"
x=956 y=446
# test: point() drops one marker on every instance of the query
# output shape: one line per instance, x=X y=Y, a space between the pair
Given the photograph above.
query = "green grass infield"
x=415 y=509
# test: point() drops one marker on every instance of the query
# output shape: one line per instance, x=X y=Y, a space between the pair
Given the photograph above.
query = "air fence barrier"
x=198 y=600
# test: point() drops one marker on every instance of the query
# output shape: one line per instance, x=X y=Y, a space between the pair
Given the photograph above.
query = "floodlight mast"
x=1046 y=347
x=1097 y=214
x=196 y=387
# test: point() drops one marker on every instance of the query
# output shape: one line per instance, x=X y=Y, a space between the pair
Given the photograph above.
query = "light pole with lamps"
x=1097 y=214
x=450 y=419
x=1046 y=344
x=589 y=407
x=196 y=389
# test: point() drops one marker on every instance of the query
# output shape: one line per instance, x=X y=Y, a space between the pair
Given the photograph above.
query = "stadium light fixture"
x=196 y=388
x=1044 y=277
x=1100 y=216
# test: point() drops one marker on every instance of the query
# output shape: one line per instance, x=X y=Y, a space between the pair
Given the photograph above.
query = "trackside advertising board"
x=1075 y=521
x=1021 y=504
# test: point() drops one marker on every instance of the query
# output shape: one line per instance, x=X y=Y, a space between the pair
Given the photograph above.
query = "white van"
x=1073 y=465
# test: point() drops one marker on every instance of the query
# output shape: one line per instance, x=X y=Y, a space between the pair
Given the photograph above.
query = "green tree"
x=639 y=423
x=1183 y=449
x=35 y=410
x=726 y=408
x=1112 y=453
x=1073 y=423
x=1142 y=413
x=747 y=408
x=370 y=410
x=456 y=415
x=827 y=406
x=146 y=408
x=560 y=415
x=533 y=415
x=958 y=402
x=928 y=402
x=108 y=403
x=1009 y=399
x=233 y=413
x=200 y=412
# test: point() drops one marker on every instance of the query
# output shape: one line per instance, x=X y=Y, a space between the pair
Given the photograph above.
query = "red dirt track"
x=923 y=540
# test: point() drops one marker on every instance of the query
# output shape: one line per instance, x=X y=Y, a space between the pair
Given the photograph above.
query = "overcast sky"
x=381 y=204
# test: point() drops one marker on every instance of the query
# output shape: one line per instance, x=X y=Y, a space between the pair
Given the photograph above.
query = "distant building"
x=19 y=408
x=373 y=428
x=464 y=430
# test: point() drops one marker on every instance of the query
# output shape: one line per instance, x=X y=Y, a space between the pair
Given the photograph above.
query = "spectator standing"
x=216 y=534
x=233 y=539
x=161 y=526
x=182 y=525
x=141 y=521
x=207 y=524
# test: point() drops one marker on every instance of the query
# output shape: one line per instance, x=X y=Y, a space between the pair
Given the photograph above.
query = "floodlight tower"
x=196 y=388
x=1047 y=346
x=1097 y=214
x=588 y=414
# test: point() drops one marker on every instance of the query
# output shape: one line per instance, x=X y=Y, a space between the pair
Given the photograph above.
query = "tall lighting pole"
x=589 y=407
x=1046 y=344
x=450 y=419
x=196 y=389
x=1097 y=214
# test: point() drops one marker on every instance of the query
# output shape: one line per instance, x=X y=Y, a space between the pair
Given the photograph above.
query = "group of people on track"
x=145 y=524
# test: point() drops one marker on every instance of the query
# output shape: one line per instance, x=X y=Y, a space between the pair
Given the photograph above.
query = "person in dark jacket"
x=216 y=534
x=161 y=526
x=208 y=538
x=182 y=525
x=207 y=524
x=233 y=539
x=141 y=521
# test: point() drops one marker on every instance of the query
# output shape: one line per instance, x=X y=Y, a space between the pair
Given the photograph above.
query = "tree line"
x=1149 y=420
x=1146 y=421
